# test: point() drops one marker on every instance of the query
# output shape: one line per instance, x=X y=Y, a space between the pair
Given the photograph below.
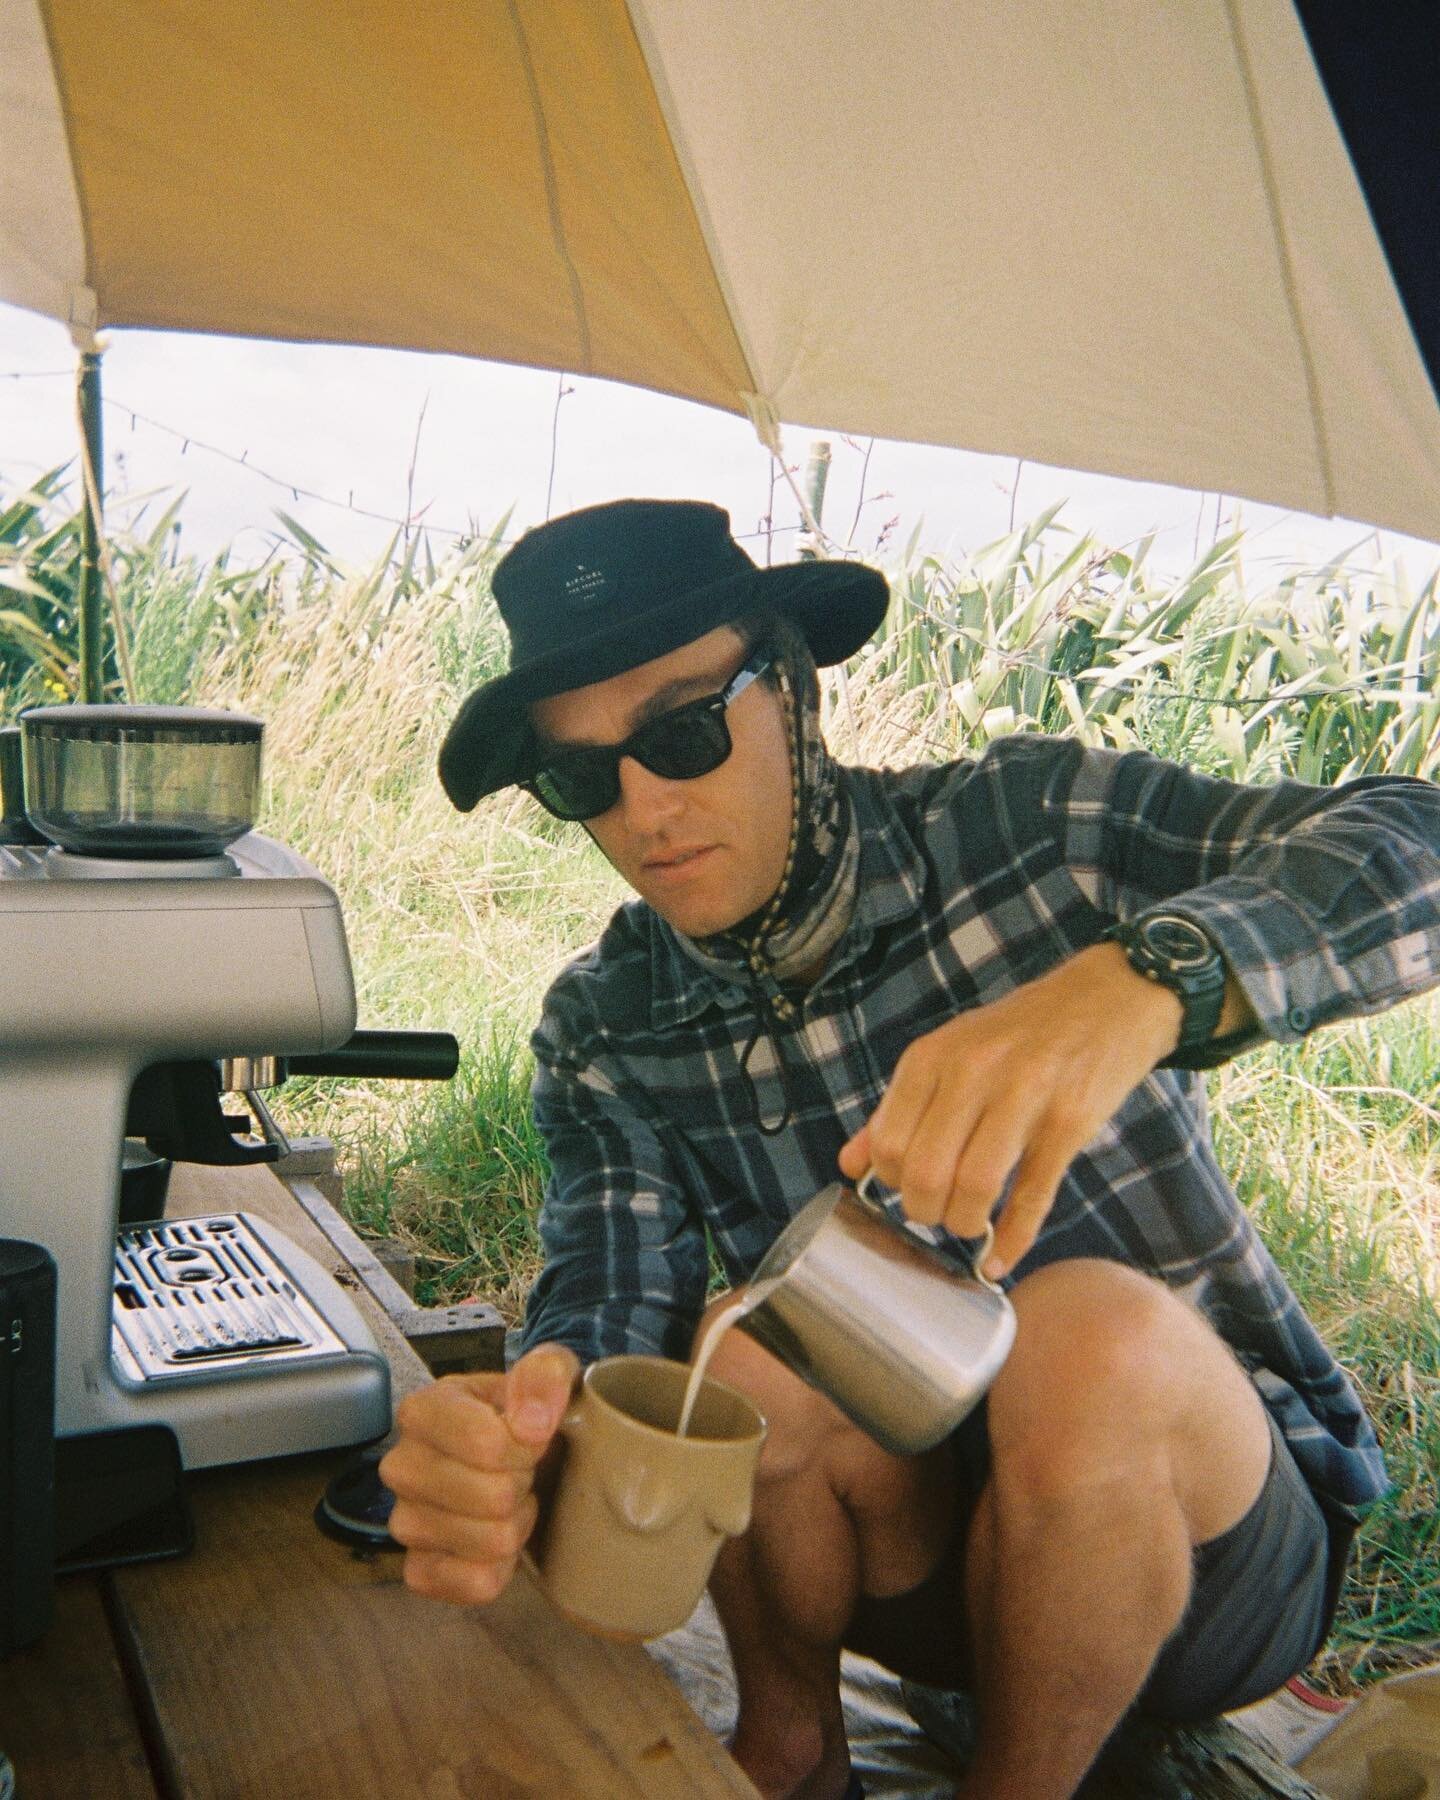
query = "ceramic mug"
x=639 y=1514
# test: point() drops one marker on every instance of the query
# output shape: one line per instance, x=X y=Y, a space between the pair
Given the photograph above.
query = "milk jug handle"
x=978 y=1256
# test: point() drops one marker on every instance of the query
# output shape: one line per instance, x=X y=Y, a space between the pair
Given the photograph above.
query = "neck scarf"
x=793 y=933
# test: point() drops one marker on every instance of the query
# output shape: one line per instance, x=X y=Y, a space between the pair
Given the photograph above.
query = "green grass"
x=1335 y=1148
x=454 y=1173
x=459 y=924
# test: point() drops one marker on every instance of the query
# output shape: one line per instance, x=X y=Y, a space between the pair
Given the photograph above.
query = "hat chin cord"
x=822 y=857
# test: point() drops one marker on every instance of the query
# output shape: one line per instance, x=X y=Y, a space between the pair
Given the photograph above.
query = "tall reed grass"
x=460 y=924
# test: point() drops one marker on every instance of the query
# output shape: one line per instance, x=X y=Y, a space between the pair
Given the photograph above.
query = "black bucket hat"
x=607 y=588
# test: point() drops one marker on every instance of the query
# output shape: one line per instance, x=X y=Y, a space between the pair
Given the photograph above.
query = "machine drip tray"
x=196 y=1297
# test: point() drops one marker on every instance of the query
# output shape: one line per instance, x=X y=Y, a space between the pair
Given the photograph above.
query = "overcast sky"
x=343 y=422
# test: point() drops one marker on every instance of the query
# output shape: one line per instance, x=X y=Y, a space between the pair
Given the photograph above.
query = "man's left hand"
x=1020 y=1085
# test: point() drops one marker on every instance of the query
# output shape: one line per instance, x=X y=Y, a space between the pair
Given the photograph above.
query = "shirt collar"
x=892 y=881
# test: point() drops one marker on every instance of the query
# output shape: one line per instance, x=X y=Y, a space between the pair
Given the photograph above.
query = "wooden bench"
x=274 y=1664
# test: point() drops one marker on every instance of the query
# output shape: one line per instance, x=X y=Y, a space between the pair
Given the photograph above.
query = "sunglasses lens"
x=578 y=787
x=680 y=745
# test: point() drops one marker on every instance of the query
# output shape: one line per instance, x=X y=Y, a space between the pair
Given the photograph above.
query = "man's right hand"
x=463 y=1473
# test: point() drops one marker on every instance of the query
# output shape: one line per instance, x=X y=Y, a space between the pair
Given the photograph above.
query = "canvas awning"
x=1107 y=235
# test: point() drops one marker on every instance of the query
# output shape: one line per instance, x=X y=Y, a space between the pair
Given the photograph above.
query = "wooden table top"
x=272 y=1662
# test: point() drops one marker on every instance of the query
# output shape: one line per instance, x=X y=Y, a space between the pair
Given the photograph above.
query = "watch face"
x=1177 y=941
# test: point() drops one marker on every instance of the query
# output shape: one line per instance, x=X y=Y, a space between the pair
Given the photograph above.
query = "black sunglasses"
x=690 y=740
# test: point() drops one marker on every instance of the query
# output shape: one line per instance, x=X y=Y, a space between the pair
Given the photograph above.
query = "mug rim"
x=710 y=1444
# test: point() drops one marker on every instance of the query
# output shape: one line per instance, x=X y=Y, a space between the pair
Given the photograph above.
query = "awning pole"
x=92 y=525
x=817 y=476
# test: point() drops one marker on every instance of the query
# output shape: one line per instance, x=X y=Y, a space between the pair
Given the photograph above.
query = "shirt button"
x=1297 y=1018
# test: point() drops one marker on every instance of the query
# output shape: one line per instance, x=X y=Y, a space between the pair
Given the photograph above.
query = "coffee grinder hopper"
x=153 y=935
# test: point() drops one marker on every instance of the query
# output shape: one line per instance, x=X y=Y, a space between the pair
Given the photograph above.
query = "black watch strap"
x=1170 y=949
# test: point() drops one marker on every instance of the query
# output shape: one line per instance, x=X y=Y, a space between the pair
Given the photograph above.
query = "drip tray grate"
x=196 y=1296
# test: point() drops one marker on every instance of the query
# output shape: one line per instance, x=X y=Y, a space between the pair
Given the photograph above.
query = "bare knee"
x=1111 y=1370
x=1088 y=1326
x=1094 y=1334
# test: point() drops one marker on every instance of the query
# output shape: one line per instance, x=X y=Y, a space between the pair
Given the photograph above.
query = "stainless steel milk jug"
x=875 y=1318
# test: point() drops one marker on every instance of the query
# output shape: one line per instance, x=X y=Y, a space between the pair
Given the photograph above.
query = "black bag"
x=27 y=1442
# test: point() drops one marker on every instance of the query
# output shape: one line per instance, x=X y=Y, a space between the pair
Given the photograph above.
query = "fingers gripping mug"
x=640 y=1513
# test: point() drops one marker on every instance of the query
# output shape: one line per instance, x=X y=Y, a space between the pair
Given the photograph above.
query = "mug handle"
x=977 y=1256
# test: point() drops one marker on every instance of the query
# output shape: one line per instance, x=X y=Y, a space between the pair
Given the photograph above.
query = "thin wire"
x=297 y=490
x=293 y=488
x=1162 y=696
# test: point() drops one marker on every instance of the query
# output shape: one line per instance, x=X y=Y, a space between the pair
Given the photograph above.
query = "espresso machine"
x=148 y=936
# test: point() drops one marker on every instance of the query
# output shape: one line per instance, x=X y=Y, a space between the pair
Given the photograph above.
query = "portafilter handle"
x=364 y=1056
x=177 y=1108
x=384 y=1056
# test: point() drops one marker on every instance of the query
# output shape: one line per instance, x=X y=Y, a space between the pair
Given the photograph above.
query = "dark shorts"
x=1263 y=1599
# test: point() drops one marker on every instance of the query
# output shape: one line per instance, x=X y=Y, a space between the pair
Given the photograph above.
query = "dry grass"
x=1339 y=1162
x=452 y=920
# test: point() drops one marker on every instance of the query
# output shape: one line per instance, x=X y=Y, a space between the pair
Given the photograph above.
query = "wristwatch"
x=1174 y=951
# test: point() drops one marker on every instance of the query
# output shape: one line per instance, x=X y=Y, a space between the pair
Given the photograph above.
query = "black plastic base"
x=119 y=1498
x=355 y=1507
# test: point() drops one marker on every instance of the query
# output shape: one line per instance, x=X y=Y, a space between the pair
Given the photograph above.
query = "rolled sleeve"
x=1300 y=967
x=1324 y=902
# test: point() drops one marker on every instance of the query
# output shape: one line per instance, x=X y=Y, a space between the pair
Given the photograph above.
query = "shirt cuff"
x=1282 y=962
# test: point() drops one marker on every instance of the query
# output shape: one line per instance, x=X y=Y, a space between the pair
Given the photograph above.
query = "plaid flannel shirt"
x=977 y=876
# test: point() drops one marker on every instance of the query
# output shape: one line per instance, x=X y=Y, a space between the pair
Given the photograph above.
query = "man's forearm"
x=1236 y=1012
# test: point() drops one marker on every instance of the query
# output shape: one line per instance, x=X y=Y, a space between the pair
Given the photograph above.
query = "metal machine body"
x=110 y=967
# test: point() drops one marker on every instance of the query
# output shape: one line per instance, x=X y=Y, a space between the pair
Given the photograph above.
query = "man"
x=988 y=981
